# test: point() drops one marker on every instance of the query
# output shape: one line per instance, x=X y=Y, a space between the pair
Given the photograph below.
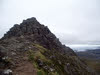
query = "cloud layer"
x=73 y=21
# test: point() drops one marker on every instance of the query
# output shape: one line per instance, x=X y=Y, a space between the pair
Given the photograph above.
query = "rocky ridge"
x=32 y=43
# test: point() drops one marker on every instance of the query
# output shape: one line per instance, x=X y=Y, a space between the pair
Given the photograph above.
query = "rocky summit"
x=32 y=49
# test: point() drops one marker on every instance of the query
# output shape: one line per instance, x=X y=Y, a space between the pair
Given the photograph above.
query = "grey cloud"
x=77 y=20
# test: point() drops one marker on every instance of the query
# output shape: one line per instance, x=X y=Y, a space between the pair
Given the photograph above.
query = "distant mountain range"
x=90 y=54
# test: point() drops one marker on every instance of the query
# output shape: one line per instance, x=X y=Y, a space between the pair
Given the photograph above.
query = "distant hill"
x=90 y=54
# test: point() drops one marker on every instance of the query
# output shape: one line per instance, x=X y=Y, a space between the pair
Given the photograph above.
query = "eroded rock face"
x=38 y=33
x=27 y=27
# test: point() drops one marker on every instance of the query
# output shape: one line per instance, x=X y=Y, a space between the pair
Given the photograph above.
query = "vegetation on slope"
x=43 y=65
x=92 y=63
x=51 y=62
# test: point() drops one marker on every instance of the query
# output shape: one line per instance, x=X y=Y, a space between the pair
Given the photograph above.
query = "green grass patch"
x=34 y=55
x=41 y=72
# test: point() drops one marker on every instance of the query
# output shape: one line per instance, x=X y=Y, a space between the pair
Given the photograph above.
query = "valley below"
x=89 y=54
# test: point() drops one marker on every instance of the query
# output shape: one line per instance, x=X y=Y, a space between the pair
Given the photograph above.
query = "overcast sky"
x=73 y=21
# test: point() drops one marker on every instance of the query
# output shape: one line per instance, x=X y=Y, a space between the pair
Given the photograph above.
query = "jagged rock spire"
x=27 y=27
x=39 y=33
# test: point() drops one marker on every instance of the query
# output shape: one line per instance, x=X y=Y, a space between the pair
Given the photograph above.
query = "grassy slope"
x=92 y=63
x=53 y=62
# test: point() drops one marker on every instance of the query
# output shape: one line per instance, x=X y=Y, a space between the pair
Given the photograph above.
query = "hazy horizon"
x=72 y=21
x=83 y=47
